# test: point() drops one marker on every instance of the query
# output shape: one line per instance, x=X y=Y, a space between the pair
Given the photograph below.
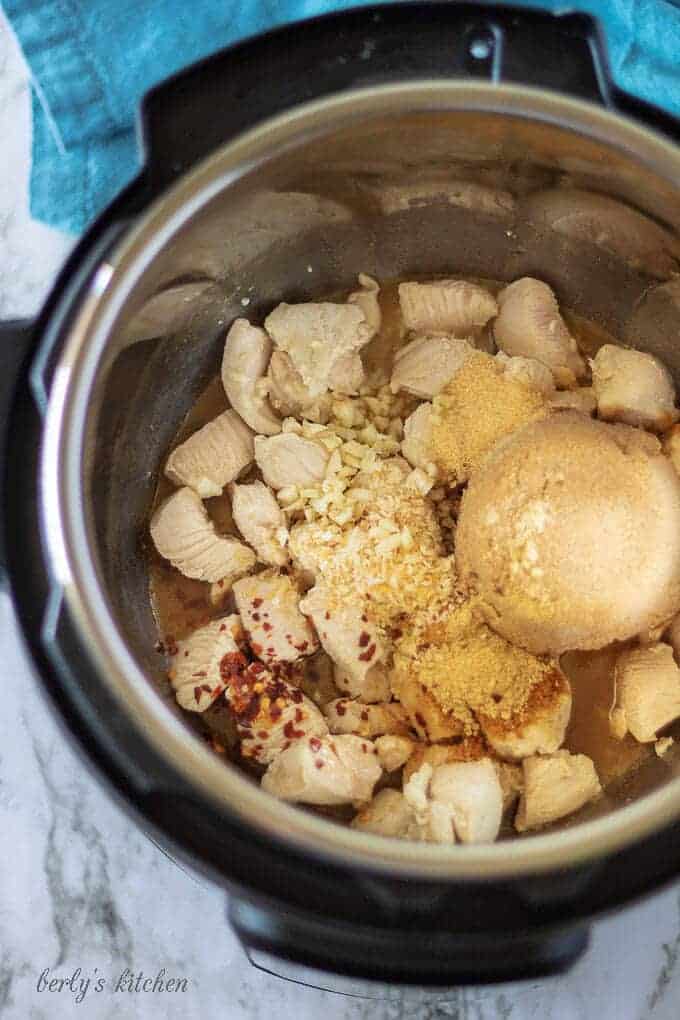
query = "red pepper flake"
x=197 y=694
x=256 y=668
x=341 y=708
x=255 y=616
x=290 y=732
x=368 y=654
x=327 y=615
x=364 y=638
x=364 y=715
x=207 y=688
x=232 y=664
x=286 y=746
x=266 y=627
x=299 y=715
x=256 y=603
x=275 y=712
x=200 y=672
x=315 y=744
x=319 y=764
x=364 y=618
x=364 y=749
x=186 y=654
x=223 y=628
x=262 y=734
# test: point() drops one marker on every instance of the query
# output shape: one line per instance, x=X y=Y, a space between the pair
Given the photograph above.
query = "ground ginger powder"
x=468 y=668
x=476 y=409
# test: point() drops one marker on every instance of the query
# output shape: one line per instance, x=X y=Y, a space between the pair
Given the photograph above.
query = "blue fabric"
x=91 y=60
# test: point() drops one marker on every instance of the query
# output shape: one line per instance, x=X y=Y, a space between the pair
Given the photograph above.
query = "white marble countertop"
x=81 y=887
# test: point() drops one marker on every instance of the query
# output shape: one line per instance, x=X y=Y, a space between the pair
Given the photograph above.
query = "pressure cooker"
x=262 y=174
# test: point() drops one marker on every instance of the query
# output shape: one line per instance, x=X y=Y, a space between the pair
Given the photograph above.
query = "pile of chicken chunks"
x=351 y=750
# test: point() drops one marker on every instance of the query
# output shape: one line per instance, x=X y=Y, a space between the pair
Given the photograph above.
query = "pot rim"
x=64 y=525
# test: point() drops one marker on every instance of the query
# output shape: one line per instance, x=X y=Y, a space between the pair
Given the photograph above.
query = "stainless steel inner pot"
x=291 y=211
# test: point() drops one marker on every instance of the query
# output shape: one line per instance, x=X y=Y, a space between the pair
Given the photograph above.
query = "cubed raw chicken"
x=634 y=388
x=344 y=715
x=260 y=520
x=460 y=801
x=288 y=393
x=425 y=365
x=213 y=456
x=184 y=534
x=467 y=749
x=446 y=306
x=393 y=751
x=388 y=814
x=416 y=445
x=367 y=300
x=581 y=399
x=347 y=375
x=289 y=459
x=196 y=671
x=354 y=645
x=325 y=770
x=426 y=717
x=529 y=371
x=647 y=683
x=244 y=367
x=529 y=325
x=271 y=714
x=316 y=335
x=554 y=786
x=542 y=725
x=276 y=629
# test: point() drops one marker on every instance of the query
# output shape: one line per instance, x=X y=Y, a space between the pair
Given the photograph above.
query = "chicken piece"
x=529 y=371
x=428 y=720
x=424 y=366
x=367 y=300
x=608 y=223
x=511 y=778
x=213 y=456
x=393 y=751
x=244 y=366
x=542 y=725
x=582 y=399
x=468 y=749
x=276 y=629
x=634 y=388
x=270 y=713
x=289 y=395
x=196 y=671
x=647 y=685
x=344 y=715
x=354 y=645
x=388 y=814
x=447 y=306
x=184 y=534
x=555 y=786
x=261 y=521
x=416 y=445
x=325 y=770
x=462 y=800
x=529 y=325
x=316 y=336
x=347 y=375
x=290 y=459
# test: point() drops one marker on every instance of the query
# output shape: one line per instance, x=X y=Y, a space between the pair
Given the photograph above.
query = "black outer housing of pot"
x=291 y=904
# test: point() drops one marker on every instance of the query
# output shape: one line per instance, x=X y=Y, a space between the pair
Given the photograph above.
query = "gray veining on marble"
x=81 y=887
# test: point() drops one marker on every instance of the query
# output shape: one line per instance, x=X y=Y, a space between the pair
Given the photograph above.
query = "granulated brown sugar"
x=470 y=669
x=479 y=406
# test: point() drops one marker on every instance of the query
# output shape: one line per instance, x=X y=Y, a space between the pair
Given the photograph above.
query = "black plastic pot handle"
x=193 y=113
x=16 y=338
x=369 y=962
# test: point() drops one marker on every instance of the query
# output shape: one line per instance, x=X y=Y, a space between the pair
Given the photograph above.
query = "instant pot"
x=277 y=170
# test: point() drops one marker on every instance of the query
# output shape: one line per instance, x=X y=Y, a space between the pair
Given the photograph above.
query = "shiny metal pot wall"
x=289 y=210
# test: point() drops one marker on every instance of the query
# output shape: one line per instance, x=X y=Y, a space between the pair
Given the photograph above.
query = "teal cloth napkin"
x=92 y=60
